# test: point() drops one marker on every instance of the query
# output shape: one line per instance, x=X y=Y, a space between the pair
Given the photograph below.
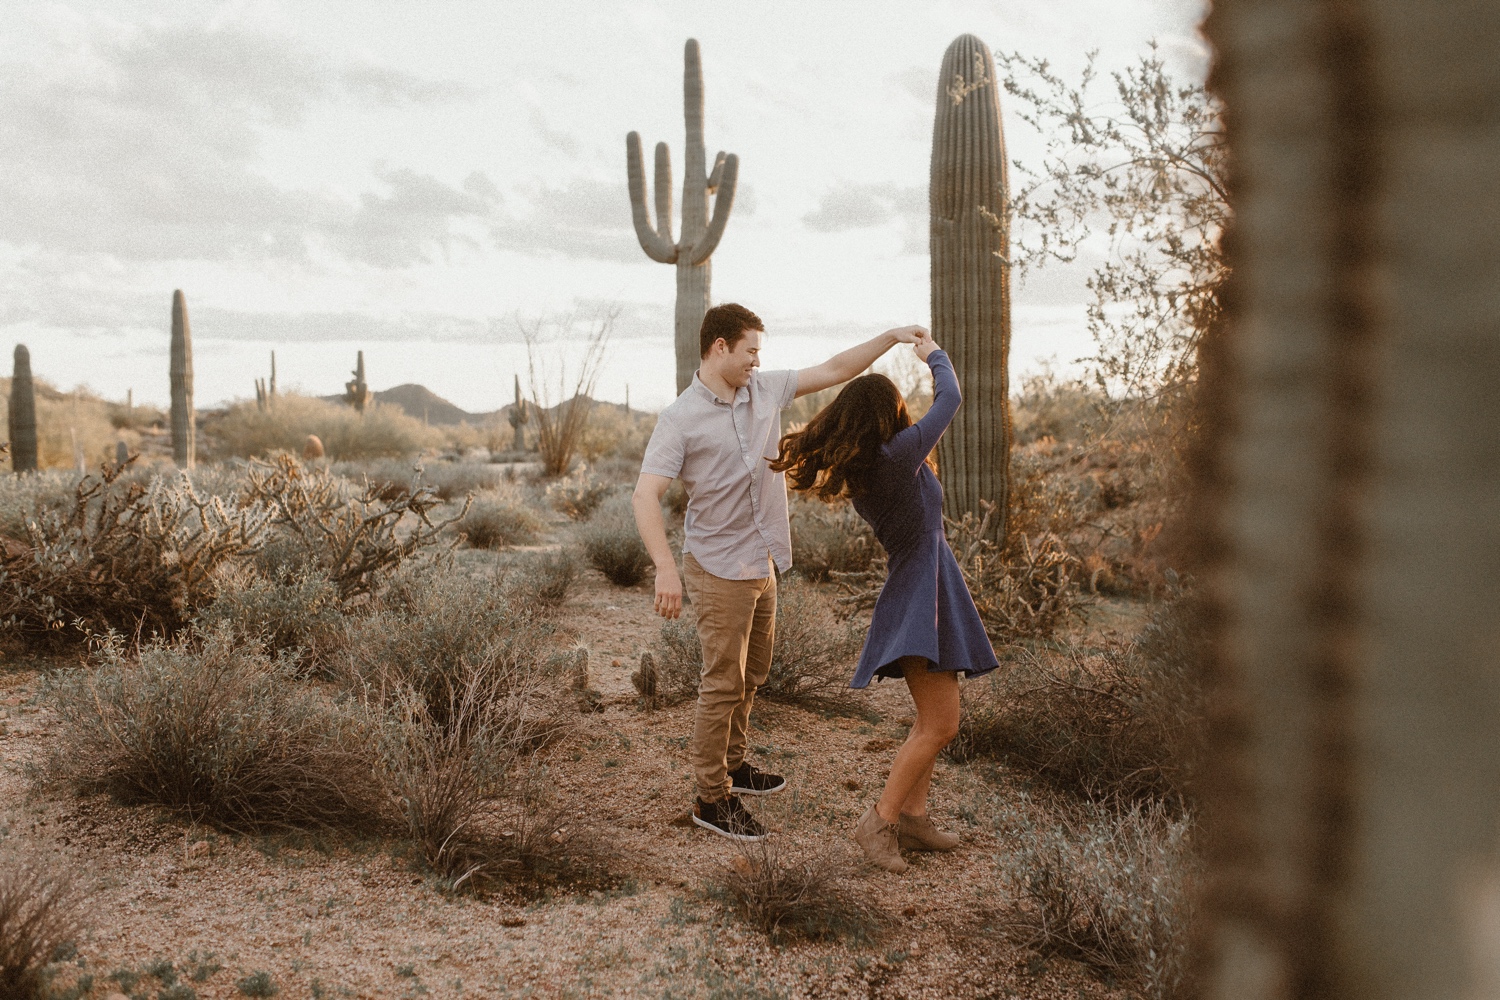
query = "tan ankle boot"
x=916 y=833
x=878 y=839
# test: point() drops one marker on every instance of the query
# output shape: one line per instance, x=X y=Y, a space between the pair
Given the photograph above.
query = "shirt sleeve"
x=910 y=447
x=664 y=452
x=780 y=385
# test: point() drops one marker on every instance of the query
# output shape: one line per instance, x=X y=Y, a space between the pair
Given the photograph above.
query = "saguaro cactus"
x=356 y=392
x=22 y=413
x=520 y=413
x=971 y=279
x=699 y=235
x=1352 y=492
x=184 y=421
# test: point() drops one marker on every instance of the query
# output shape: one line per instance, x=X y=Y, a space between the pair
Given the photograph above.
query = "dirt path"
x=327 y=918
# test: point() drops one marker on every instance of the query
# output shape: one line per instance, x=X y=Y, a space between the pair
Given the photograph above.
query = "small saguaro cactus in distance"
x=356 y=392
x=520 y=413
x=184 y=421
x=122 y=452
x=971 y=278
x=265 y=392
x=699 y=235
x=22 y=413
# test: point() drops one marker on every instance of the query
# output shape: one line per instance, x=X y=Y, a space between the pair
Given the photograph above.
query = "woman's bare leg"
x=936 y=698
x=916 y=799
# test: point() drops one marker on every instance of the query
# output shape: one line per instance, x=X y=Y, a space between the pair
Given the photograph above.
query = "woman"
x=925 y=628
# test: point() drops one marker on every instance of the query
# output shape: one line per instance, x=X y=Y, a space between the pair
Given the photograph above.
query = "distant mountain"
x=424 y=404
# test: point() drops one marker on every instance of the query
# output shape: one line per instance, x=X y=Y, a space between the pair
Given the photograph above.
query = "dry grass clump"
x=580 y=494
x=812 y=658
x=612 y=544
x=1050 y=407
x=291 y=610
x=546 y=577
x=124 y=555
x=828 y=539
x=790 y=893
x=499 y=518
x=41 y=915
x=216 y=730
x=613 y=432
x=381 y=431
x=1112 y=889
x=1125 y=722
x=24 y=498
x=78 y=422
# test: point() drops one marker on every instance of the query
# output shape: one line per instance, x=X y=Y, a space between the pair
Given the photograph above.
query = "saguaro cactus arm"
x=657 y=243
x=723 y=203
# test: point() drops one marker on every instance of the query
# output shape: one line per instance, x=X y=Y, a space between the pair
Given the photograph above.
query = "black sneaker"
x=729 y=819
x=746 y=780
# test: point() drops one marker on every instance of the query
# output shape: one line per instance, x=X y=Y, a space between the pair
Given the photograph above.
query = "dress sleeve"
x=909 y=448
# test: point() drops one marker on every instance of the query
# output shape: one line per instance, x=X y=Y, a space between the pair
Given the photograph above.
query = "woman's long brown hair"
x=836 y=453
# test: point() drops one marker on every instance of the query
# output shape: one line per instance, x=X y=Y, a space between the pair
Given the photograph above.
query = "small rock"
x=742 y=865
x=910 y=911
x=198 y=849
x=851 y=784
x=914 y=950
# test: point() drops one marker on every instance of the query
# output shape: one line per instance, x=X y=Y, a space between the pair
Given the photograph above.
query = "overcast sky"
x=410 y=178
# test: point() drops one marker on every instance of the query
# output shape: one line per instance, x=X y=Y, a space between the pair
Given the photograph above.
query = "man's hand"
x=909 y=334
x=668 y=592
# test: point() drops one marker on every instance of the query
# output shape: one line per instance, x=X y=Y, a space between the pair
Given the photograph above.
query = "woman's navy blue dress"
x=924 y=608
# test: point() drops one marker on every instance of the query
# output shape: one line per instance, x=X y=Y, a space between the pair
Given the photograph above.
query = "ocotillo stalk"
x=971 y=279
x=356 y=392
x=22 y=414
x=519 y=415
x=699 y=235
x=184 y=421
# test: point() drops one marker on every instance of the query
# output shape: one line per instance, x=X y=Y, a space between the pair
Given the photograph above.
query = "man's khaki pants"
x=736 y=626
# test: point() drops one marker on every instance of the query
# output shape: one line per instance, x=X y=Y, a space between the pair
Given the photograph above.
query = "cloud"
x=863 y=206
x=586 y=219
x=397 y=229
x=143 y=144
x=918 y=81
x=561 y=141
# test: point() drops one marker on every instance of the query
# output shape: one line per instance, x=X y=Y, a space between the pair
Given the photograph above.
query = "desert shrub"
x=24 y=498
x=124 y=555
x=499 y=518
x=293 y=611
x=1124 y=722
x=355 y=538
x=613 y=432
x=1050 y=407
x=793 y=893
x=215 y=729
x=546 y=577
x=812 y=657
x=41 y=914
x=831 y=538
x=580 y=494
x=381 y=431
x=452 y=480
x=613 y=546
x=257 y=984
x=433 y=630
x=1113 y=889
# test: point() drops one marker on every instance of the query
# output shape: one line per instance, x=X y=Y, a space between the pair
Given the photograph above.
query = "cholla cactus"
x=520 y=414
x=971 y=279
x=22 y=414
x=184 y=420
x=700 y=235
x=356 y=392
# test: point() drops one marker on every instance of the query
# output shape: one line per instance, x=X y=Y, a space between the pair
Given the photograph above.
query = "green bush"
x=24 y=498
x=217 y=730
x=790 y=893
x=499 y=518
x=613 y=546
x=381 y=431
x=831 y=538
x=546 y=577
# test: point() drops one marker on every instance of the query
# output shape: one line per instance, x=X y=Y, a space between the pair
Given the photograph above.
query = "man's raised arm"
x=648 y=521
x=847 y=364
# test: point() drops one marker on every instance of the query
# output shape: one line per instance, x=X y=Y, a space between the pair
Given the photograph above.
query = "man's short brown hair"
x=729 y=322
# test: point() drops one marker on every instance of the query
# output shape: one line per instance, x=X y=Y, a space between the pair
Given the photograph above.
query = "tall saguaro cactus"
x=700 y=234
x=184 y=421
x=520 y=413
x=22 y=413
x=1352 y=491
x=970 y=277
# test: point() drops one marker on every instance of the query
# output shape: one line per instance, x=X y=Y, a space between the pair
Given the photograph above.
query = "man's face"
x=736 y=364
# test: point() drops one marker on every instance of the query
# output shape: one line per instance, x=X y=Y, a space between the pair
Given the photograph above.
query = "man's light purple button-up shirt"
x=736 y=513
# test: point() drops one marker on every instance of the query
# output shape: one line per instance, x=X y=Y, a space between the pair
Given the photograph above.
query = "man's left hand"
x=908 y=334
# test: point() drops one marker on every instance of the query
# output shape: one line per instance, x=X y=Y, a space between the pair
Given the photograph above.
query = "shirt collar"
x=740 y=394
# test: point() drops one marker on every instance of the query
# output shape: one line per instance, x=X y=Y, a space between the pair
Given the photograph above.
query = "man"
x=717 y=437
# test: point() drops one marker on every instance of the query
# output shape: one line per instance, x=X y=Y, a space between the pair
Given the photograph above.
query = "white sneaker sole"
x=737 y=790
x=742 y=837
